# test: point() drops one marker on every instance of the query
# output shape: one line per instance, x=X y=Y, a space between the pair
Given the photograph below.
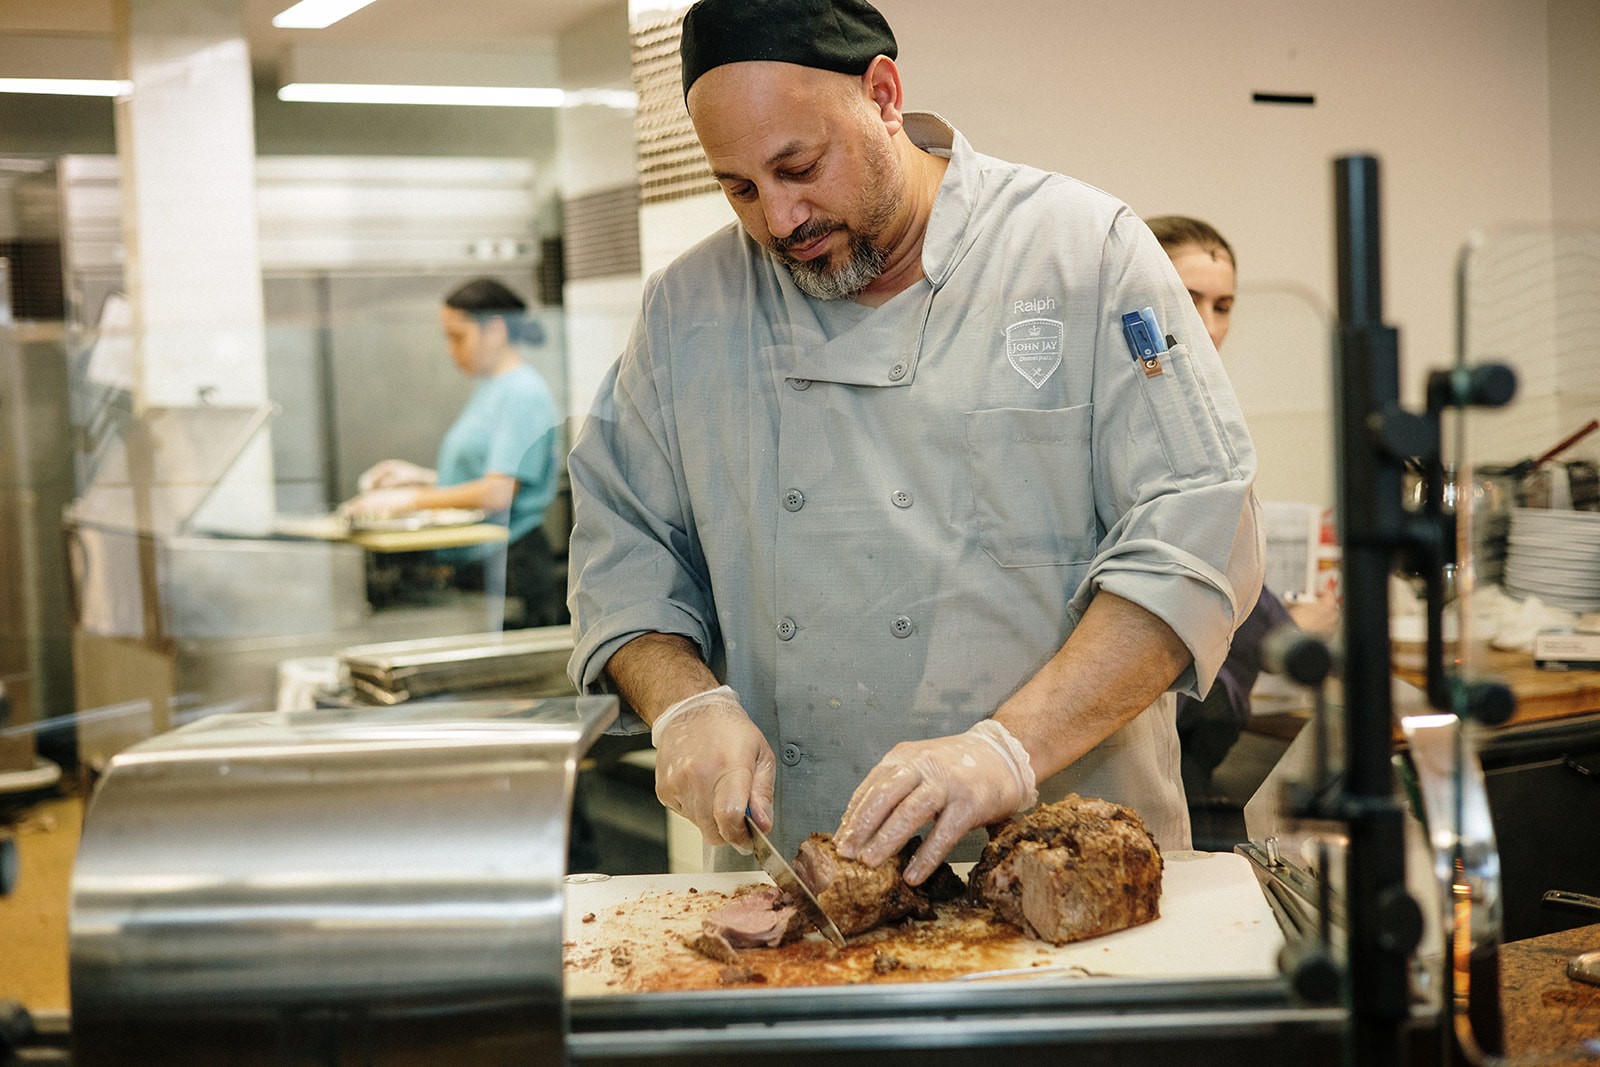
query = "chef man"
x=879 y=522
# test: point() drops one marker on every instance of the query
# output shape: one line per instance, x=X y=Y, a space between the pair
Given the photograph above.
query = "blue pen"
x=1149 y=317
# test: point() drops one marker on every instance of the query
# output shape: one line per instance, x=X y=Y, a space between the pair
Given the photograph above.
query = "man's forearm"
x=655 y=671
x=1119 y=659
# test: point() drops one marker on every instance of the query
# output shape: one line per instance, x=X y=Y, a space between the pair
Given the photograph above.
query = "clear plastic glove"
x=380 y=503
x=711 y=764
x=392 y=472
x=963 y=781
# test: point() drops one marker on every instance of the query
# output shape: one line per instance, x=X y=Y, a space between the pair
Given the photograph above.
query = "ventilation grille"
x=671 y=165
x=602 y=233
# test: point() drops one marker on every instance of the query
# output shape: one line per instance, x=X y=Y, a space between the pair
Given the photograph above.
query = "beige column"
x=186 y=148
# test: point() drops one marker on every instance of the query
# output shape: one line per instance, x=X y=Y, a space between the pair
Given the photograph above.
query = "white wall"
x=1151 y=100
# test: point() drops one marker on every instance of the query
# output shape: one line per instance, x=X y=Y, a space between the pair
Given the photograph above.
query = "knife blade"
x=781 y=873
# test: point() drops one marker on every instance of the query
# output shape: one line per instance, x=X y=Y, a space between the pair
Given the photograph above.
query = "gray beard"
x=818 y=280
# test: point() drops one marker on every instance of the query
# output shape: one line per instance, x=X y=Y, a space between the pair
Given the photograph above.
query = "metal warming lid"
x=374 y=884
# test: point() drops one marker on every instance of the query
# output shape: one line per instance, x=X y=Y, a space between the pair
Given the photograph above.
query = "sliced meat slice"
x=759 y=918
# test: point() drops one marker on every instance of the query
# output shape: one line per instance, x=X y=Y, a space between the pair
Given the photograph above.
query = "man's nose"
x=784 y=213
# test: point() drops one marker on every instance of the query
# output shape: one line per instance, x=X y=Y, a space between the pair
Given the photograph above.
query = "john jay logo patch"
x=1034 y=347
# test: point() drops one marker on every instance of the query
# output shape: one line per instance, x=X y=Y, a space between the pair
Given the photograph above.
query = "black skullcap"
x=839 y=35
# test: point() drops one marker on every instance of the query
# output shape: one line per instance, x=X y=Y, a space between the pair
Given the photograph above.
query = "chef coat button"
x=901 y=626
x=794 y=500
x=790 y=754
x=897 y=372
x=786 y=629
x=799 y=385
x=901 y=498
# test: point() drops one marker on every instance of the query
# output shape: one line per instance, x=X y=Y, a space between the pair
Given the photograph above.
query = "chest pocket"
x=1032 y=484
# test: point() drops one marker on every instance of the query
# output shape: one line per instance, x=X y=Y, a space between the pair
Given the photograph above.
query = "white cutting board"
x=1214 y=921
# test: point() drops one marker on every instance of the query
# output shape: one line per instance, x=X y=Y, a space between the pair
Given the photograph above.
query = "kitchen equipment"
x=1525 y=467
x=1214 y=924
x=784 y=878
x=533 y=660
x=1555 y=555
x=376 y=886
x=1585 y=966
x=1537 y=484
x=381 y=886
x=1198 y=985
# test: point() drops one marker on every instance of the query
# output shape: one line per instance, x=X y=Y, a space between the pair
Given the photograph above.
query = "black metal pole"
x=1372 y=517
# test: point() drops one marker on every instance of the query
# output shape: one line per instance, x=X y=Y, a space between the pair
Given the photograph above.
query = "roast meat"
x=857 y=897
x=1071 y=870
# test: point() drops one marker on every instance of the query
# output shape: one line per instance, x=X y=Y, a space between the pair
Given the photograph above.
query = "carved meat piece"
x=1071 y=870
x=759 y=918
x=857 y=897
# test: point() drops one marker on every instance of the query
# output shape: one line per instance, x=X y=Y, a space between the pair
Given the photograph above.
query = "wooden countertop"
x=1541 y=695
x=1545 y=1011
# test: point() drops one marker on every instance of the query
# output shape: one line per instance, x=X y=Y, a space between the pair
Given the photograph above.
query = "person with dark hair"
x=899 y=506
x=1209 y=728
x=500 y=456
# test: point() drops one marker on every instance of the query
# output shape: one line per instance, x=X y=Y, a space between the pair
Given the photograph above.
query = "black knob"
x=1488 y=385
x=1491 y=703
x=8 y=865
x=1312 y=971
x=16 y=1026
x=1399 y=921
x=1492 y=385
x=1292 y=652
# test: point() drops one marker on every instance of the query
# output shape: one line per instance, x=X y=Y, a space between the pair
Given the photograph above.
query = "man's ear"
x=882 y=85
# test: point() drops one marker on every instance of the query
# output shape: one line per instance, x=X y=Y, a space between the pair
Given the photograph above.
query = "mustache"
x=804 y=234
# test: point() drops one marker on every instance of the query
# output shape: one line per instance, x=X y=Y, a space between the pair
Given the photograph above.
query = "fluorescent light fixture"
x=65 y=86
x=457 y=95
x=316 y=14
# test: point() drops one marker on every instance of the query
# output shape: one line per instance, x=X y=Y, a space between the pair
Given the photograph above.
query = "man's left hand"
x=963 y=781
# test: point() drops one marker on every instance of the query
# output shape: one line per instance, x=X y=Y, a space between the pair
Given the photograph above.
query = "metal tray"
x=398 y=671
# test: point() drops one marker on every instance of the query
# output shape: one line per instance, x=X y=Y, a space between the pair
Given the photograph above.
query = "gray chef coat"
x=876 y=524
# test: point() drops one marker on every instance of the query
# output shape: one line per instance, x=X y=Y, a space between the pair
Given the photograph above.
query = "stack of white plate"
x=1555 y=556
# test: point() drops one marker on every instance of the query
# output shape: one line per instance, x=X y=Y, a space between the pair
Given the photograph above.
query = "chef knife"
x=783 y=874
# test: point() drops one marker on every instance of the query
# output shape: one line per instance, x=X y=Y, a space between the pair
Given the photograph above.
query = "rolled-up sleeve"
x=635 y=563
x=1174 y=466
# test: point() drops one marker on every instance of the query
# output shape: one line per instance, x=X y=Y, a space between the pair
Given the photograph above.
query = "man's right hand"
x=712 y=764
